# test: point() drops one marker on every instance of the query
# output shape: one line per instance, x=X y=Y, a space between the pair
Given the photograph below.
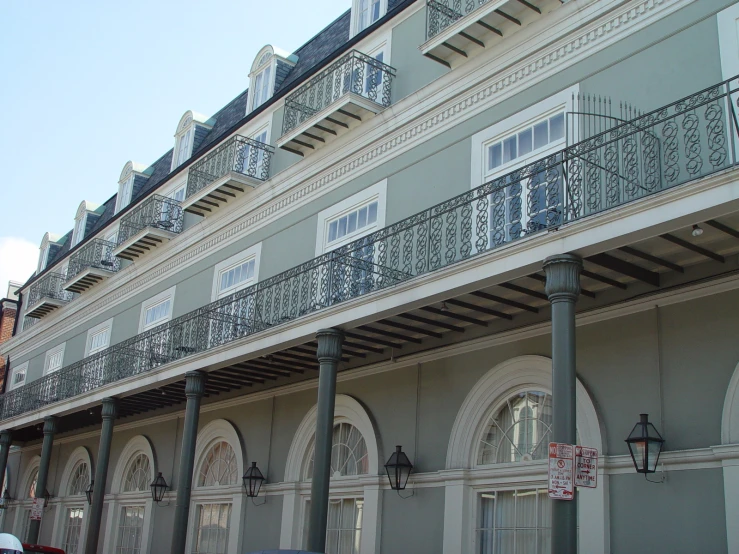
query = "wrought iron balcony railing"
x=673 y=145
x=98 y=254
x=239 y=154
x=157 y=212
x=49 y=287
x=440 y=14
x=353 y=73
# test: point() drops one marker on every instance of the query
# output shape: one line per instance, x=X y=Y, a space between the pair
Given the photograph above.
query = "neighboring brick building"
x=8 y=310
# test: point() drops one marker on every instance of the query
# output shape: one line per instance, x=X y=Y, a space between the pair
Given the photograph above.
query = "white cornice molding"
x=441 y=105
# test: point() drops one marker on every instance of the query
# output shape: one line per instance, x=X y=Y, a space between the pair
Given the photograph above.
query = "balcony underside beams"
x=44 y=307
x=468 y=34
x=142 y=242
x=338 y=118
x=86 y=279
x=219 y=192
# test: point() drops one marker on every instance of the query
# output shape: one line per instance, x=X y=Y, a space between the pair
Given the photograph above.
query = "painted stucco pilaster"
x=43 y=474
x=329 y=355
x=562 y=289
x=194 y=390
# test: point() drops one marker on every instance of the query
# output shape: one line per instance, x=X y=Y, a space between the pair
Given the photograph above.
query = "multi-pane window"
x=72 y=527
x=99 y=340
x=211 y=536
x=80 y=479
x=43 y=258
x=54 y=360
x=262 y=82
x=527 y=141
x=233 y=277
x=519 y=431
x=343 y=527
x=79 y=230
x=348 y=452
x=183 y=148
x=369 y=12
x=18 y=375
x=124 y=194
x=257 y=153
x=138 y=474
x=130 y=528
x=351 y=223
x=512 y=522
x=158 y=313
x=219 y=467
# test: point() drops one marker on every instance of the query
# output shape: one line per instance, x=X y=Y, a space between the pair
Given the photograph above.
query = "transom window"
x=525 y=142
x=232 y=278
x=157 y=313
x=514 y=521
x=80 y=479
x=219 y=467
x=138 y=474
x=212 y=531
x=348 y=453
x=99 y=340
x=130 y=527
x=519 y=431
x=344 y=227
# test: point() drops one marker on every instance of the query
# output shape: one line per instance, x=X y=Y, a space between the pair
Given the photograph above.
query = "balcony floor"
x=86 y=278
x=219 y=192
x=483 y=28
x=142 y=242
x=338 y=118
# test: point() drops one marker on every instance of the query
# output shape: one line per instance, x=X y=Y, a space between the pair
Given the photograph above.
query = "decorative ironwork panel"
x=237 y=155
x=97 y=253
x=158 y=212
x=354 y=73
x=440 y=14
x=49 y=286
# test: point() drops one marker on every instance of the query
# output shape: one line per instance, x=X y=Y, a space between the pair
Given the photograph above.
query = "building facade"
x=379 y=204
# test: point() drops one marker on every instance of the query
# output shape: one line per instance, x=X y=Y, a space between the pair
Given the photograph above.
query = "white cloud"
x=18 y=259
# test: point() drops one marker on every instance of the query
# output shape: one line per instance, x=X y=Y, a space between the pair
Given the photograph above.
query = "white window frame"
x=43 y=257
x=65 y=501
x=59 y=349
x=78 y=233
x=271 y=64
x=93 y=331
x=377 y=192
x=122 y=200
x=253 y=252
x=111 y=235
x=163 y=296
x=21 y=368
x=356 y=22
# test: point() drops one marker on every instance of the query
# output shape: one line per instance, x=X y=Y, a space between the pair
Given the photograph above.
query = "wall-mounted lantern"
x=398 y=469
x=158 y=488
x=645 y=445
x=253 y=480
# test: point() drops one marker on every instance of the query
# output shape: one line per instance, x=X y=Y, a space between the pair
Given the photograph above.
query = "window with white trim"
x=365 y=13
x=79 y=229
x=98 y=337
x=183 y=147
x=130 y=530
x=157 y=310
x=262 y=77
x=43 y=258
x=237 y=272
x=18 y=376
x=125 y=189
x=54 y=359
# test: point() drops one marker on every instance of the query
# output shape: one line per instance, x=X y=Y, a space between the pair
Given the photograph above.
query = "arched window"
x=217 y=491
x=137 y=477
x=353 y=520
x=26 y=494
x=71 y=518
x=80 y=479
x=32 y=485
x=506 y=421
x=261 y=78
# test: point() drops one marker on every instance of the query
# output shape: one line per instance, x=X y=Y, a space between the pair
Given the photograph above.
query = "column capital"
x=110 y=408
x=50 y=425
x=194 y=383
x=329 y=345
x=6 y=437
x=563 y=277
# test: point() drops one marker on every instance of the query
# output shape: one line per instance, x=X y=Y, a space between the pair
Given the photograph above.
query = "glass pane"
x=509 y=149
x=332 y=231
x=525 y=142
x=219 y=466
x=342 y=227
x=495 y=156
x=362 y=217
x=505 y=513
x=372 y=213
x=541 y=137
x=556 y=127
x=352 y=222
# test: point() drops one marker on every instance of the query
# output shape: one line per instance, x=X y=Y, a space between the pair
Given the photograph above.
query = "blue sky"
x=86 y=86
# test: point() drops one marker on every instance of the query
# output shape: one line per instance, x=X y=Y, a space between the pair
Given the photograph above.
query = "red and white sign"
x=561 y=471
x=586 y=467
x=37 y=509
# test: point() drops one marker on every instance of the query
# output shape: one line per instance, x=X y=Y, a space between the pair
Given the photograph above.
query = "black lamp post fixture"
x=158 y=488
x=5 y=500
x=398 y=469
x=645 y=445
x=253 y=480
x=88 y=492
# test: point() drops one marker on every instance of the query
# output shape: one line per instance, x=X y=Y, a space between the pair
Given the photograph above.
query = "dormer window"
x=269 y=68
x=50 y=245
x=365 y=13
x=190 y=132
x=132 y=176
x=85 y=213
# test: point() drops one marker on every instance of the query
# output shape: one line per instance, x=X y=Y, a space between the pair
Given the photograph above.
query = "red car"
x=38 y=549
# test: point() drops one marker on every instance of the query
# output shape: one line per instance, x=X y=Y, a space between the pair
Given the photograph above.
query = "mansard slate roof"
x=311 y=56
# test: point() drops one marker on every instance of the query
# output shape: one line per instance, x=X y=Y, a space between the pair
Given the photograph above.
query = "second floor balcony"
x=350 y=90
x=237 y=165
x=91 y=264
x=156 y=220
x=47 y=294
x=458 y=29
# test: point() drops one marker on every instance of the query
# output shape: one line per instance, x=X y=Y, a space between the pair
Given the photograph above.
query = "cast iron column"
x=5 y=440
x=194 y=389
x=43 y=474
x=109 y=413
x=329 y=355
x=563 y=288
